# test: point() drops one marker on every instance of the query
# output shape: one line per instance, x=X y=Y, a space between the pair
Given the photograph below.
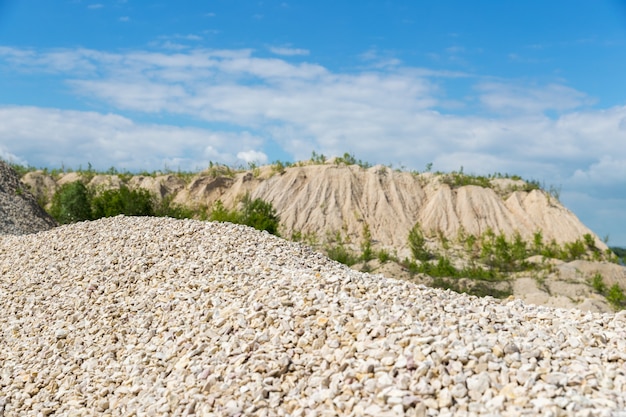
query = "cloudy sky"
x=534 y=88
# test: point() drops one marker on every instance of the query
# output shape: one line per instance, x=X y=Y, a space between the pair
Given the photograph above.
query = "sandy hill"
x=330 y=197
x=335 y=197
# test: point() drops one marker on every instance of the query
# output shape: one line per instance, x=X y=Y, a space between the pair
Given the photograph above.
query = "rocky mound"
x=19 y=211
x=153 y=316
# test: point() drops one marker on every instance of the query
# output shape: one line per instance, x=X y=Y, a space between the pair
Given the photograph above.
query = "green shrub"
x=616 y=297
x=574 y=250
x=166 y=208
x=125 y=201
x=443 y=268
x=459 y=179
x=278 y=167
x=366 y=244
x=589 y=241
x=478 y=273
x=255 y=213
x=383 y=256
x=318 y=159
x=219 y=213
x=71 y=203
x=537 y=242
x=350 y=159
x=597 y=282
x=309 y=238
x=417 y=243
x=340 y=253
x=259 y=214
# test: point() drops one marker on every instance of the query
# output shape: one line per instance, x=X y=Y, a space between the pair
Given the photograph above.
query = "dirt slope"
x=342 y=198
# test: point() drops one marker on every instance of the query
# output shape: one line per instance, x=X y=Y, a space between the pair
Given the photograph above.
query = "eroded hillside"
x=328 y=198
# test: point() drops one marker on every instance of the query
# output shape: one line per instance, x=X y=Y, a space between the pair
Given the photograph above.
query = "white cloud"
x=375 y=60
x=95 y=6
x=51 y=137
x=5 y=155
x=608 y=170
x=252 y=156
x=124 y=19
x=507 y=97
x=288 y=51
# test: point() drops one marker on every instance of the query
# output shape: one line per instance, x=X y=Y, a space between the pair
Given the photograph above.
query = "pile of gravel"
x=153 y=316
x=19 y=212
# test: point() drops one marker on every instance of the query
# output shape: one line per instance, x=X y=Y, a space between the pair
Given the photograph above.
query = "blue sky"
x=534 y=88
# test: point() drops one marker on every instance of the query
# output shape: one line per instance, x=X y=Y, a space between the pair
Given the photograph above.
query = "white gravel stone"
x=154 y=316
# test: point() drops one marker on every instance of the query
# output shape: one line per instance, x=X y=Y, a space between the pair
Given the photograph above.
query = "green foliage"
x=309 y=238
x=21 y=169
x=470 y=243
x=616 y=297
x=219 y=170
x=340 y=253
x=459 y=179
x=574 y=250
x=125 y=201
x=443 y=268
x=318 y=159
x=383 y=256
x=71 y=203
x=259 y=214
x=589 y=241
x=219 y=213
x=366 y=244
x=254 y=213
x=597 y=283
x=166 y=208
x=417 y=243
x=537 y=244
x=349 y=159
x=337 y=250
x=278 y=167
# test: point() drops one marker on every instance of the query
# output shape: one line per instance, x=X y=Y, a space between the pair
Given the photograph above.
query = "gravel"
x=19 y=212
x=153 y=316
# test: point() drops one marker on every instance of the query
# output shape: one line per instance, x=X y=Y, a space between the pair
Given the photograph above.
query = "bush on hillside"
x=125 y=201
x=417 y=243
x=255 y=213
x=219 y=213
x=166 y=208
x=259 y=214
x=71 y=203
